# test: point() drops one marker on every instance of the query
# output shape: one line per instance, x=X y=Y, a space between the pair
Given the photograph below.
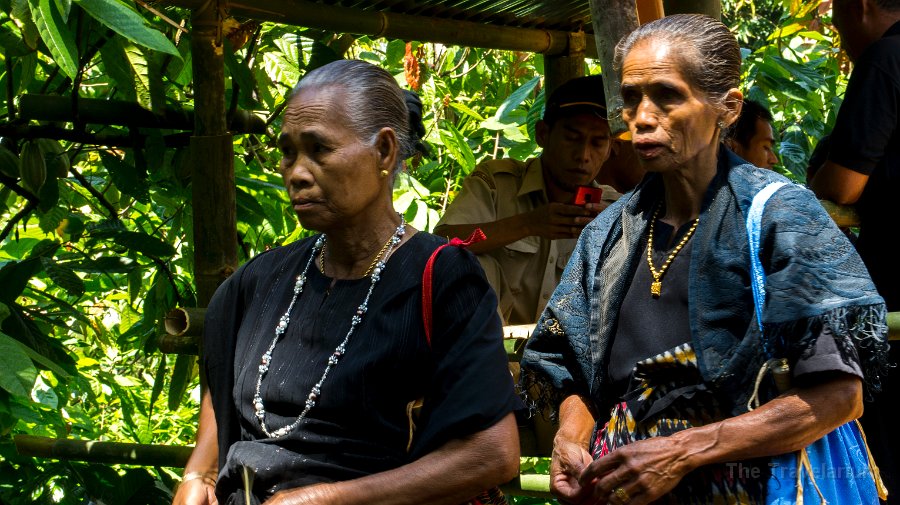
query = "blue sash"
x=837 y=468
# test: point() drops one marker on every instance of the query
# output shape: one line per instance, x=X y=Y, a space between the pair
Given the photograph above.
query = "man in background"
x=863 y=169
x=752 y=137
x=528 y=209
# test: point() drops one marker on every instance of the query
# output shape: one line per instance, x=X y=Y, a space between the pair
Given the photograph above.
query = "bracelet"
x=206 y=477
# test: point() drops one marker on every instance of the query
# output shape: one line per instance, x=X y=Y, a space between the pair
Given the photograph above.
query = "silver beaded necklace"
x=339 y=351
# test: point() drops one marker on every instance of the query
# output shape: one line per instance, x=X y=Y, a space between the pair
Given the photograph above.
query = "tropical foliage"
x=96 y=241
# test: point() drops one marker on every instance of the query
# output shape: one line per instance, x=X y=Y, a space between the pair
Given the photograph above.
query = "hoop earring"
x=385 y=173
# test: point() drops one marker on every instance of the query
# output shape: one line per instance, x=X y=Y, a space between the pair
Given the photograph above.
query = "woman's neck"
x=686 y=186
x=351 y=249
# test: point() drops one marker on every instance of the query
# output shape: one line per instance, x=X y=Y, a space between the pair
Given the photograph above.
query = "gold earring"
x=384 y=173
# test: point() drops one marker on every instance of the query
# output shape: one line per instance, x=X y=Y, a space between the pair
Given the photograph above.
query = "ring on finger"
x=622 y=495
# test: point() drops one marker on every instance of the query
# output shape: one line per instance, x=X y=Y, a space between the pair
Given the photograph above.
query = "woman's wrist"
x=208 y=477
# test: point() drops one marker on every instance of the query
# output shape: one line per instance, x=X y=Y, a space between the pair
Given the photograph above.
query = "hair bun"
x=416 y=126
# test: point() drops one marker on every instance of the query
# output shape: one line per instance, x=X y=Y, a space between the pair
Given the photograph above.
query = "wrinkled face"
x=671 y=122
x=760 y=148
x=330 y=174
x=574 y=149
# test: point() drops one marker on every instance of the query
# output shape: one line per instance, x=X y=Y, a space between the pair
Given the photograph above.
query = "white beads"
x=316 y=391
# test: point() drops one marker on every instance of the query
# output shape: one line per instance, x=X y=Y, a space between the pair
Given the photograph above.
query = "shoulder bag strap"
x=427 y=289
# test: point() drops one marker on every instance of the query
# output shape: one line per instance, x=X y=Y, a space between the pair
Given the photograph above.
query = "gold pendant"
x=656 y=288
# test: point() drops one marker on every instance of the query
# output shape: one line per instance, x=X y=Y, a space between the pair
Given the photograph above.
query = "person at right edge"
x=652 y=349
x=863 y=169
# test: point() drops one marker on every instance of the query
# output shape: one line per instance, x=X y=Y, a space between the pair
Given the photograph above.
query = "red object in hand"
x=588 y=194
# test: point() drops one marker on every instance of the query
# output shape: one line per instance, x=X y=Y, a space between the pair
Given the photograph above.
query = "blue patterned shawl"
x=815 y=281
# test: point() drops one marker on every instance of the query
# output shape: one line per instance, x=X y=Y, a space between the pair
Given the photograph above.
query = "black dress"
x=359 y=424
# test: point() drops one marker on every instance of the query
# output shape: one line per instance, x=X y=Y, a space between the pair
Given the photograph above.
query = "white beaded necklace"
x=339 y=351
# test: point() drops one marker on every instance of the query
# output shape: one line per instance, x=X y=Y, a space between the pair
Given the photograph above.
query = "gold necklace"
x=371 y=266
x=656 y=285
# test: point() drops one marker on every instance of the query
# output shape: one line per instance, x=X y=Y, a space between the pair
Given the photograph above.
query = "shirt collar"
x=533 y=180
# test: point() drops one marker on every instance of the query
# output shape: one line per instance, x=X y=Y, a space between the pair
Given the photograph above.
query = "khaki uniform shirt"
x=523 y=273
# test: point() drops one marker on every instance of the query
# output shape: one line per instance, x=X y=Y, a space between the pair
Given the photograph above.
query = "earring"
x=385 y=173
x=721 y=124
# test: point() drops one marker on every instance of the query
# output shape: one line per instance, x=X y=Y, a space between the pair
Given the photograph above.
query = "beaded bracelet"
x=206 y=477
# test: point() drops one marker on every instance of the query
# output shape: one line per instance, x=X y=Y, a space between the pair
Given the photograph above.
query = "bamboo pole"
x=561 y=68
x=533 y=485
x=612 y=20
x=134 y=138
x=102 y=452
x=712 y=8
x=399 y=26
x=212 y=167
x=124 y=113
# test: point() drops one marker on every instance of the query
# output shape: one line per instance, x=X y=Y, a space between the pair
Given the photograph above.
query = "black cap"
x=577 y=96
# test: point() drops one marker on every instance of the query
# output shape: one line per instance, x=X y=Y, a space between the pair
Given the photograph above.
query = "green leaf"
x=139 y=66
x=394 y=53
x=57 y=36
x=4 y=311
x=105 y=265
x=135 y=283
x=181 y=377
x=116 y=65
x=516 y=98
x=466 y=110
x=144 y=244
x=21 y=11
x=127 y=23
x=64 y=277
x=158 y=379
x=12 y=44
x=125 y=176
x=458 y=147
x=14 y=276
x=51 y=219
x=17 y=372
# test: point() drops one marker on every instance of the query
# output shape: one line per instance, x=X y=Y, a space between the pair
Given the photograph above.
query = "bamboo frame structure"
x=124 y=113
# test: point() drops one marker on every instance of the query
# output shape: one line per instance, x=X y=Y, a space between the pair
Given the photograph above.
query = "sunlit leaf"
x=17 y=372
x=127 y=23
x=56 y=35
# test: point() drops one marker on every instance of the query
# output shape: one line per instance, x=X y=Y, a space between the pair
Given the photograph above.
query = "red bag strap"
x=427 y=290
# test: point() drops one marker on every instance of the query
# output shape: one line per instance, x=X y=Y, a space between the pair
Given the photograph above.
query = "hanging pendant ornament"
x=314 y=393
x=656 y=285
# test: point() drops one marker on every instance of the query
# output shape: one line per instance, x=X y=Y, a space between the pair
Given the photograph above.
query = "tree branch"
x=10 y=92
x=11 y=225
x=113 y=213
x=19 y=190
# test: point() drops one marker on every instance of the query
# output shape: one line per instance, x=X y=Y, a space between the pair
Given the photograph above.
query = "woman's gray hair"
x=372 y=100
x=709 y=55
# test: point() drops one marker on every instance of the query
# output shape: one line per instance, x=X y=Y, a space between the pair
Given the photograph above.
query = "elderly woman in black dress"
x=652 y=344
x=314 y=351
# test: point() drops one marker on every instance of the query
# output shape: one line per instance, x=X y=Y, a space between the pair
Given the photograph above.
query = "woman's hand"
x=568 y=462
x=195 y=492
x=637 y=473
x=316 y=494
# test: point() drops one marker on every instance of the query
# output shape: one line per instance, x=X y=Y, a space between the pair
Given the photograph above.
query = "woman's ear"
x=734 y=102
x=387 y=149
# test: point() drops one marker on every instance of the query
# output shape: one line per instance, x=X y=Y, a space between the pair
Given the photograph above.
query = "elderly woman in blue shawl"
x=650 y=350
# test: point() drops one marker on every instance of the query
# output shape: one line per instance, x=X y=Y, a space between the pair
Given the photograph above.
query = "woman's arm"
x=204 y=460
x=450 y=475
x=648 y=469
x=571 y=450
